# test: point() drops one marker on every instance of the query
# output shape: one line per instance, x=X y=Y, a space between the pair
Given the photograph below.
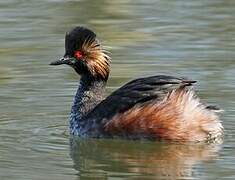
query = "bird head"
x=84 y=54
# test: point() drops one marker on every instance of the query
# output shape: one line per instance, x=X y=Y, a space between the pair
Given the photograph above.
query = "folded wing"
x=135 y=93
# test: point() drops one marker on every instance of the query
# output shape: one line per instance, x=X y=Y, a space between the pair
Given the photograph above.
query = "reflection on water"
x=157 y=160
x=185 y=38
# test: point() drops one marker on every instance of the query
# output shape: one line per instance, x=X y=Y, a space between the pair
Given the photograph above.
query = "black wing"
x=135 y=92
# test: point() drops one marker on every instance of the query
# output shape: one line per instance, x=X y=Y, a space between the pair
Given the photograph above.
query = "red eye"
x=78 y=54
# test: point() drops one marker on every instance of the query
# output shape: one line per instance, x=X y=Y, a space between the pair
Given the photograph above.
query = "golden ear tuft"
x=97 y=58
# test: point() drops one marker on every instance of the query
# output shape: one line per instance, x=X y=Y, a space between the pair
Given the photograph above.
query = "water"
x=185 y=38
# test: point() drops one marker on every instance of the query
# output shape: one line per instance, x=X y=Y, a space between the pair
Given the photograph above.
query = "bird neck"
x=90 y=93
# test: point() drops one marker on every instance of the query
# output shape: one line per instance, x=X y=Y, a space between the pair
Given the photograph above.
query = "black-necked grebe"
x=157 y=107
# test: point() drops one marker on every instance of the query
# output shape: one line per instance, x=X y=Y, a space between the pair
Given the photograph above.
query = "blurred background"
x=195 y=39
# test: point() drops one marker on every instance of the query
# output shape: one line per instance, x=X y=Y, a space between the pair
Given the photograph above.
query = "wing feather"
x=135 y=92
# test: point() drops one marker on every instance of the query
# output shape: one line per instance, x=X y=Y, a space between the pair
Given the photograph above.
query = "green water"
x=188 y=38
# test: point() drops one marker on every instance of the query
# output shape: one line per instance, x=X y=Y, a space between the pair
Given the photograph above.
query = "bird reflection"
x=119 y=158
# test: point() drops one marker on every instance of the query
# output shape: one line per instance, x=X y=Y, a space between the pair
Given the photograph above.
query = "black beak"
x=64 y=60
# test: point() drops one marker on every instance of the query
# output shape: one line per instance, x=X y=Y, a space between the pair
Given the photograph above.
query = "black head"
x=84 y=53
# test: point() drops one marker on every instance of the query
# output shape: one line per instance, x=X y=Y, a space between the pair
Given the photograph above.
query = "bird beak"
x=64 y=60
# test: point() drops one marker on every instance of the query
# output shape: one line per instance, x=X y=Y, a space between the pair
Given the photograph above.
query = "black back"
x=135 y=92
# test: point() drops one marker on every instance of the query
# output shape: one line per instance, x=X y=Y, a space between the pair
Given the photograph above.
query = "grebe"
x=157 y=107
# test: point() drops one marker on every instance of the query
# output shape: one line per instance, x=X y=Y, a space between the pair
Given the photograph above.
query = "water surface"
x=188 y=38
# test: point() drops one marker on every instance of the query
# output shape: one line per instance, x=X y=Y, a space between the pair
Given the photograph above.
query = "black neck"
x=89 y=94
